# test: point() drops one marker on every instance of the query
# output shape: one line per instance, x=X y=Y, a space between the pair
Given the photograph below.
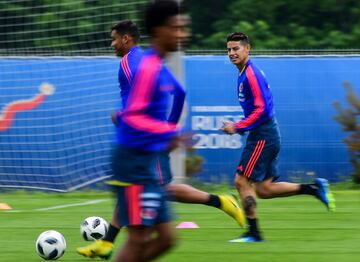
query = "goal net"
x=58 y=86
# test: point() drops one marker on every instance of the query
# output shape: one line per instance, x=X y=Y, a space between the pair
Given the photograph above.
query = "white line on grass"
x=92 y=202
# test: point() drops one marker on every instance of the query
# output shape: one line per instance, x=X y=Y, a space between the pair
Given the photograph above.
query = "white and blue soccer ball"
x=50 y=245
x=94 y=228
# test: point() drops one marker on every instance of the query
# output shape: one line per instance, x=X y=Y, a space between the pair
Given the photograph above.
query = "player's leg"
x=267 y=188
x=252 y=168
x=187 y=194
x=181 y=192
x=133 y=248
x=248 y=200
x=161 y=243
x=140 y=246
x=103 y=248
x=156 y=212
x=114 y=228
x=270 y=189
x=139 y=205
x=320 y=189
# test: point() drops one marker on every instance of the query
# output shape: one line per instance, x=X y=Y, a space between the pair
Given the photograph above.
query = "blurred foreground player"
x=143 y=134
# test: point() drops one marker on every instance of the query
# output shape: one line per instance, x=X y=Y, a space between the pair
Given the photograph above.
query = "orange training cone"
x=4 y=206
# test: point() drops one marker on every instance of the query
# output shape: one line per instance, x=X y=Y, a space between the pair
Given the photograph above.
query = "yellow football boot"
x=231 y=207
x=100 y=248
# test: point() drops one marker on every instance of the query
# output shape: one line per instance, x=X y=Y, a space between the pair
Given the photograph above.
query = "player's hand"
x=228 y=128
x=184 y=140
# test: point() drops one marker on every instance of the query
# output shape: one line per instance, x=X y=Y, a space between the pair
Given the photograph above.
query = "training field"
x=296 y=229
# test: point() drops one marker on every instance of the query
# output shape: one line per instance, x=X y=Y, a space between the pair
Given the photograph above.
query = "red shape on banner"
x=10 y=110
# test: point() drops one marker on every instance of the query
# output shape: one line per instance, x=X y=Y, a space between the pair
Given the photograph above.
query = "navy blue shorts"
x=163 y=168
x=134 y=166
x=142 y=205
x=260 y=156
x=141 y=200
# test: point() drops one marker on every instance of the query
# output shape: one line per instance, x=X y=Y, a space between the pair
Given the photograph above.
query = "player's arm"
x=259 y=102
x=175 y=114
x=178 y=103
x=125 y=66
x=135 y=113
x=128 y=74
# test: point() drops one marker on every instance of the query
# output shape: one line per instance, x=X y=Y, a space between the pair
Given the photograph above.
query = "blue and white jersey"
x=255 y=98
x=144 y=122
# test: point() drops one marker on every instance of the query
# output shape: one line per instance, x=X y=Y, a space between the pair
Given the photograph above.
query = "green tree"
x=62 y=26
x=281 y=24
x=83 y=25
x=349 y=119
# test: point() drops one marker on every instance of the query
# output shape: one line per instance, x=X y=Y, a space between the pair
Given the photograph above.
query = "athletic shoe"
x=231 y=207
x=324 y=194
x=247 y=238
x=100 y=248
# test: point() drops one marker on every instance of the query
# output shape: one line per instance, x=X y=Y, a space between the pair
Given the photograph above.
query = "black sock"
x=253 y=227
x=308 y=189
x=111 y=234
x=213 y=201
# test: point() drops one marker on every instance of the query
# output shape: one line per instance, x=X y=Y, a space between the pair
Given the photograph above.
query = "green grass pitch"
x=295 y=229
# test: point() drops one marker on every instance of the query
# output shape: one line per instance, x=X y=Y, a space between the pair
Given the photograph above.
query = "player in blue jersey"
x=256 y=172
x=125 y=37
x=143 y=132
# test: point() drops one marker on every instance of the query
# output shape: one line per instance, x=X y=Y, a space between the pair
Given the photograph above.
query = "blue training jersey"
x=255 y=98
x=144 y=122
x=128 y=66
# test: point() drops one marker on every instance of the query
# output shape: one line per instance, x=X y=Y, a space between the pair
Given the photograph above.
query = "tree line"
x=280 y=24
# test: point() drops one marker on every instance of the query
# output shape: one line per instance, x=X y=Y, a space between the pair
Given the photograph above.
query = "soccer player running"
x=256 y=172
x=143 y=133
x=125 y=39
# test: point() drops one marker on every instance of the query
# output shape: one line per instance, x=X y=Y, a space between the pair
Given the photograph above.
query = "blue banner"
x=56 y=132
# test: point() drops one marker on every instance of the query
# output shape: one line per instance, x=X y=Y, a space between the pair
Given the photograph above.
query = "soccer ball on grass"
x=94 y=228
x=50 y=245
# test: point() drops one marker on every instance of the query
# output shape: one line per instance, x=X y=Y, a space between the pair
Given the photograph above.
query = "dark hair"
x=158 y=12
x=127 y=27
x=238 y=36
